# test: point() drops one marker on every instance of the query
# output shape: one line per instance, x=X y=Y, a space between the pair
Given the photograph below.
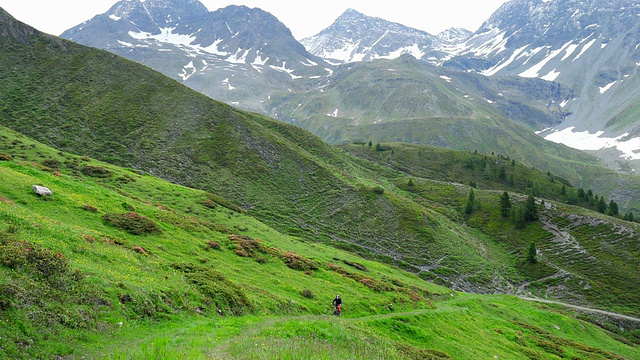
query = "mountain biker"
x=337 y=302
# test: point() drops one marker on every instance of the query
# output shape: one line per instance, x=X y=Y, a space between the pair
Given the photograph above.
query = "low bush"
x=133 y=223
x=52 y=163
x=247 y=247
x=90 y=208
x=22 y=255
x=308 y=294
x=95 y=171
x=213 y=245
x=228 y=297
x=297 y=262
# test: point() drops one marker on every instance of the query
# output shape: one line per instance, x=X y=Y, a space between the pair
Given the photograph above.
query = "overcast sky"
x=304 y=18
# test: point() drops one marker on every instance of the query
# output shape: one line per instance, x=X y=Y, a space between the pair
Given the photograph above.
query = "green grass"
x=106 y=299
x=280 y=224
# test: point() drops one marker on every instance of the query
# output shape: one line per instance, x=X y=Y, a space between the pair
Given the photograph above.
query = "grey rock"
x=41 y=190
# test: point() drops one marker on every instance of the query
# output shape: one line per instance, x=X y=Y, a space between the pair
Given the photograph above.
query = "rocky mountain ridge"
x=233 y=54
x=245 y=57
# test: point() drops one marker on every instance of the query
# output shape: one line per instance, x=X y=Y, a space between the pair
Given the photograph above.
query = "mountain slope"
x=84 y=100
x=233 y=54
x=403 y=100
x=216 y=282
x=93 y=103
x=357 y=37
x=589 y=46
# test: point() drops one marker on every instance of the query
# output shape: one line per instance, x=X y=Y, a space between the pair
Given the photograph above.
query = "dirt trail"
x=582 y=308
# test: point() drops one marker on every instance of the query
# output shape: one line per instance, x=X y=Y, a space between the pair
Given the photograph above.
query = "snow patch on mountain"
x=584 y=49
x=607 y=87
x=284 y=69
x=534 y=70
x=584 y=140
x=187 y=71
x=166 y=36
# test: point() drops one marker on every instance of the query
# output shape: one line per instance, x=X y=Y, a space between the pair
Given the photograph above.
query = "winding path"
x=582 y=308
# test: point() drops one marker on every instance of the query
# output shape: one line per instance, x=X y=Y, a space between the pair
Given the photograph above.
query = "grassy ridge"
x=404 y=101
x=106 y=292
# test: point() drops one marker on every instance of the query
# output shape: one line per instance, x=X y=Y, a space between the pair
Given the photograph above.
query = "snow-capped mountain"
x=357 y=37
x=232 y=54
x=590 y=45
x=455 y=36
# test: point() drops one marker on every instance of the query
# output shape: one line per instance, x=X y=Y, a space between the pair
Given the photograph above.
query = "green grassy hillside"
x=116 y=264
x=405 y=101
x=90 y=102
x=114 y=245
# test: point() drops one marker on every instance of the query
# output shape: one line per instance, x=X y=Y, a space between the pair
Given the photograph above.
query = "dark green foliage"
x=505 y=204
x=415 y=353
x=42 y=296
x=213 y=200
x=531 y=209
x=356 y=265
x=613 y=207
x=471 y=202
x=308 y=293
x=410 y=183
x=517 y=216
x=602 y=205
x=532 y=255
x=502 y=174
x=24 y=256
x=378 y=190
x=370 y=143
x=95 y=171
x=52 y=163
x=226 y=296
x=133 y=223
x=629 y=216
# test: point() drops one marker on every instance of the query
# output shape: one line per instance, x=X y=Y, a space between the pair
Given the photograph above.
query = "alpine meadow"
x=182 y=227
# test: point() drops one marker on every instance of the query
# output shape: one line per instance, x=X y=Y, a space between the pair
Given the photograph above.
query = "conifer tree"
x=470 y=202
x=530 y=209
x=533 y=252
x=505 y=204
x=602 y=206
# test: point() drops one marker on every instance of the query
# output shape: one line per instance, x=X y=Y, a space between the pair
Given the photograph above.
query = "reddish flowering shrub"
x=89 y=238
x=88 y=207
x=297 y=262
x=214 y=245
x=247 y=247
x=140 y=250
x=133 y=223
x=23 y=254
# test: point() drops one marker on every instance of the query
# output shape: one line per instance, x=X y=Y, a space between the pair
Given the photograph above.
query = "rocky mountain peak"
x=358 y=37
x=149 y=15
x=13 y=30
x=455 y=35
